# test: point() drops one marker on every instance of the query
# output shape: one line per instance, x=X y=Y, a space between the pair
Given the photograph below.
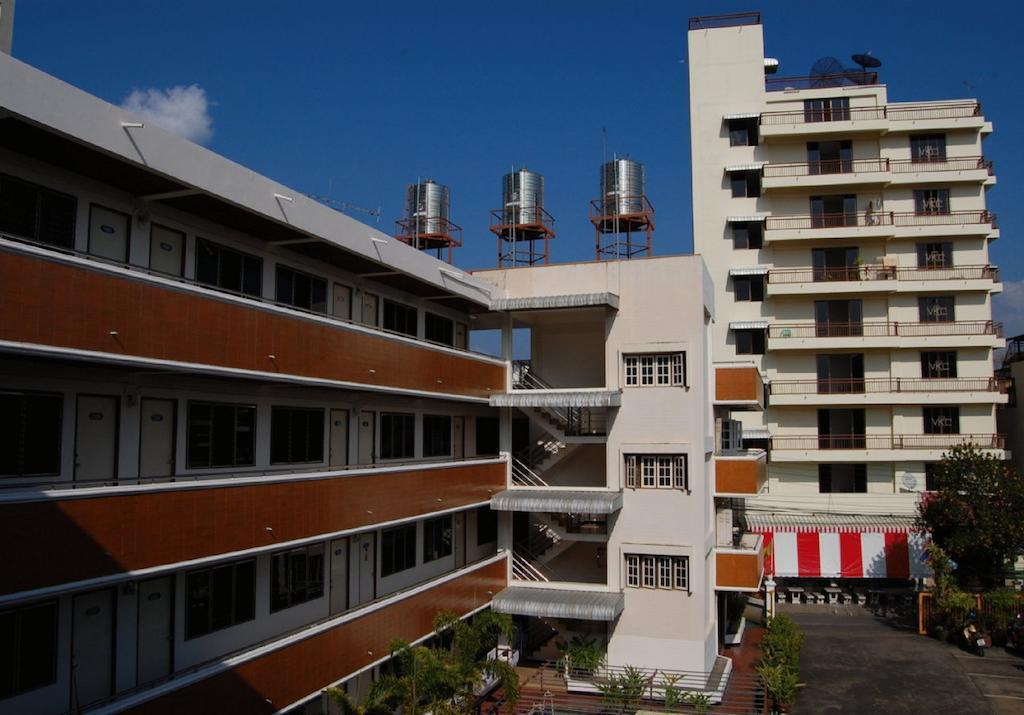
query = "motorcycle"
x=976 y=641
x=1015 y=634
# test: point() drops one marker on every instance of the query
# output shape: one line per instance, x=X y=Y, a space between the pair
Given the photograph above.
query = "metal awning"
x=748 y=325
x=558 y=603
x=566 y=397
x=558 y=501
x=756 y=434
x=771 y=65
x=554 y=302
x=749 y=271
x=891 y=523
x=741 y=115
x=748 y=218
x=756 y=166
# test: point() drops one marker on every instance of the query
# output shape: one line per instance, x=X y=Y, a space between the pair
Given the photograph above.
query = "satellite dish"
x=867 y=61
x=827 y=72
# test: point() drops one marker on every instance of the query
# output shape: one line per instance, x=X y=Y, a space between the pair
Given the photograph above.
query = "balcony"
x=741 y=474
x=875 y=120
x=740 y=567
x=105 y=531
x=876 y=447
x=879 y=224
x=874 y=172
x=884 y=334
x=65 y=306
x=879 y=278
x=739 y=385
x=887 y=391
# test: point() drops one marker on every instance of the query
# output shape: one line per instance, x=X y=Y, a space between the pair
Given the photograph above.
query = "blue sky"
x=360 y=98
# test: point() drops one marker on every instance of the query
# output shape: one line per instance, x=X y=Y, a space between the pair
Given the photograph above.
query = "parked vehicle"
x=1015 y=634
x=975 y=640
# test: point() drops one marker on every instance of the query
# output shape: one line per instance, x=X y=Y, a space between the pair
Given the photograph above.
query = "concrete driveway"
x=854 y=662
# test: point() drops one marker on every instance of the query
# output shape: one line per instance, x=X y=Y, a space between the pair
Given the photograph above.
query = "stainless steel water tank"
x=427 y=206
x=522 y=196
x=622 y=186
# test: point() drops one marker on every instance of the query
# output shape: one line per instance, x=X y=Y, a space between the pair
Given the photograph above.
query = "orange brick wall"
x=738 y=384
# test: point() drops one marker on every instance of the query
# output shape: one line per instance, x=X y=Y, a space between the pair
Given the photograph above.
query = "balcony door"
x=367 y=437
x=840 y=373
x=339 y=575
x=833 y=211
x=831 y=157
x=835 y=264
x=92 y=647
x=838 y=318
x=841 y=429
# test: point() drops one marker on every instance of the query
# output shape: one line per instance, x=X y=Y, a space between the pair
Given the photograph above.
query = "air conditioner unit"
x=728 y=435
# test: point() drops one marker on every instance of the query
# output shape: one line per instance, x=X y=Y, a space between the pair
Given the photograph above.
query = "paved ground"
x=855 y=663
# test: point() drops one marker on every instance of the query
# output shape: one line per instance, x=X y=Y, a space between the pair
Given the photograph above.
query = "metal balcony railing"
x=885 y=441
x=880 y=272
x=572 y=421
x=857 y=219
x=736 y=19
x=876 y=385
x=847 y=78
x=883 y=329
x=892 y=112
x=880 y=165
x=953 y=163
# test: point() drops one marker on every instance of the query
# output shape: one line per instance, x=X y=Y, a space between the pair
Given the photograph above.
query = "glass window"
x=398 y=549
x=296 y=576
x=935 y=255
x=664 y=572
x=941 y=420
x=301 y=290
x=28 y=648
x=219 y=597
x=659 y=369
x=648 y=572
x=439 y=329
x=935 y=309
x=437 y=538
x=748 y=235
x=681 y=569
x=656 y=471
x=30 y=432
x=927 y=147
x=400 y=318
x=220 y=435
x=833 y=109
x=228 y=269
x=296 y=435
x=397 y=436
x=633 y=570
x=938 y=364
x=750 y=342
x=437 y=436
x=648 y=472
x=632 y=365
x=842 y=478
x=36 y=213
x=931 y=201
x=486 y=526
x=743 y=132
x=748 y=288
x=745 y=183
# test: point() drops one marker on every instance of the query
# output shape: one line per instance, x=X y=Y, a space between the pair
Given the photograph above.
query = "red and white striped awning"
x=826 y=546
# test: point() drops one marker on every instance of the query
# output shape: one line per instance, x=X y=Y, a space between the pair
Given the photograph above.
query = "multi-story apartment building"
x=847 y=238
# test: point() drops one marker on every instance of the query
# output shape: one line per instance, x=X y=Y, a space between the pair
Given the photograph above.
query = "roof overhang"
x=559 y=603
x=554 y=302
x=746 y=325
x=805 y=523
x=749 y=271
x=747 y=218
x=596 y=397
x=558 y=501
x=754 y=166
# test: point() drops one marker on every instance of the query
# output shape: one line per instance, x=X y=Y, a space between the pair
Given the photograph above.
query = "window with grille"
x=670 y=573
x=657 y=471
x=931 y=201
x=938 y=364
x=935 y=309
x=655 y=370
x=927 y=147
x=941 y=420
x=632 y=570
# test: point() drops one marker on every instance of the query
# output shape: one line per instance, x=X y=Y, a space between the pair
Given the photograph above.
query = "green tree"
x=974 y=515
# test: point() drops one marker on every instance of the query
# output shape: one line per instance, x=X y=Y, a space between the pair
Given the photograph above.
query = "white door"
x=458 y=439
x=108 y=233
x=369 y=309
x=342 y=302
x=339 y=438
x=166 y=250
x=365 y=562
x=459 y=527
x=92 y=647
x=339 y=576
x=96 y=437
x=367 y=436
x=156 y=628
x=156 y=438
x=460 y=336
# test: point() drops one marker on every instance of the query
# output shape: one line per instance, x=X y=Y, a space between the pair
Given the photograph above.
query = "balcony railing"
x=879 y=272
x=896 y=166
x=885 y=441
x=884 y=329
x=850 y=77
x=895 y=113
x=736 y=19
x=856 y=219
x=875 y=385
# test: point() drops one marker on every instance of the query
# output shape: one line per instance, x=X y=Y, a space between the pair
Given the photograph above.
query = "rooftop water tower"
x=623 y=218
x=426 y=225
x=524 y=229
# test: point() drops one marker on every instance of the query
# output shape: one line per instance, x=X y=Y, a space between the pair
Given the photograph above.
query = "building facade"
x=847 y=237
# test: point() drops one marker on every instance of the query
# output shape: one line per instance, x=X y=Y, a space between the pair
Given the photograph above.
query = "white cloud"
x=1008 y=307
x=182 y=110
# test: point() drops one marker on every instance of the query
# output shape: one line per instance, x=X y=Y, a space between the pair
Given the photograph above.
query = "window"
x=28 y=648
x=745 y=183
x=838 y=318
x=228 y=269
x=935 y=255
x=935 y=309
x=927 y=147
x=932 y=476
x=438 y=329
x=437 y=538
x=840 y=428
x=220 y=435
x=829 y=157
x=662 y=572
x=487 y=436
x=296 y=435
x=748 y=288
x=400 y=318
x=219 y=597
x=296 y=576
x=931 y=201
x=840 y=373
x=834 y=109
x=743 y=132
x=748 y=234
x=836 y=264
x=834 y=211
x=397 y=549
x=657 y=471
x=486 y=526
x=654 y=370
x=750 y=341
x=30 y=431
x=938 y=364
x=36 y=213
x=301 y=290
x=437 y=436
x=397 y=436
x=842 y=478
x=941 y=420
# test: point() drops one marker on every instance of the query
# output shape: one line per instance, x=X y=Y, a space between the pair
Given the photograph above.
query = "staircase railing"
x=525 y=568
x=523 y=476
